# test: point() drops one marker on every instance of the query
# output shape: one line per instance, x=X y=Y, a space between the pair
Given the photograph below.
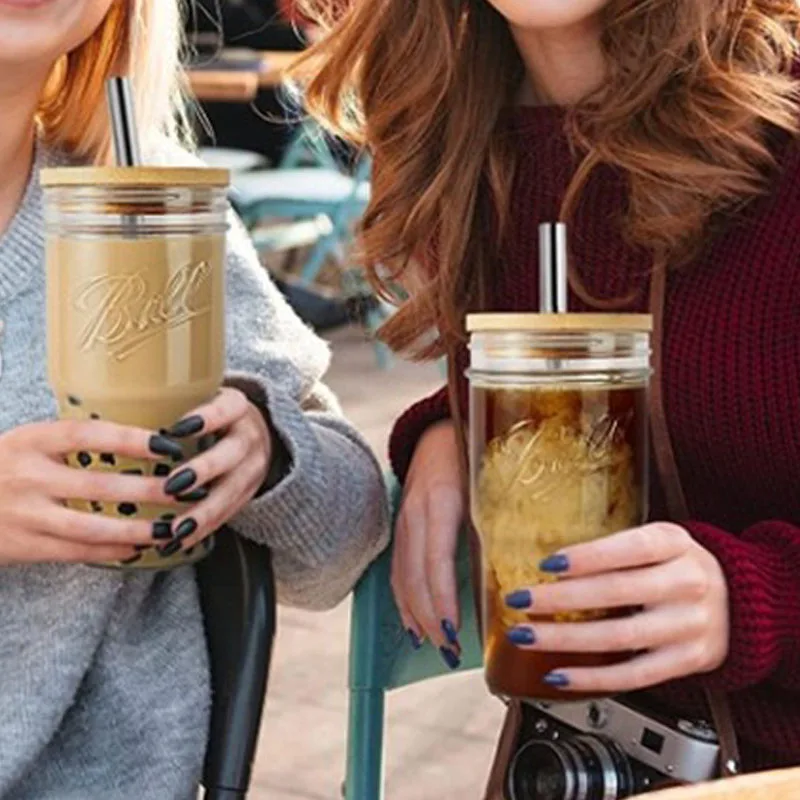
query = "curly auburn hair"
x=692 y=90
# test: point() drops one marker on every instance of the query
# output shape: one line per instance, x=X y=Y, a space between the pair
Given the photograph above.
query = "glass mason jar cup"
x=135 y=311
x=558 y=456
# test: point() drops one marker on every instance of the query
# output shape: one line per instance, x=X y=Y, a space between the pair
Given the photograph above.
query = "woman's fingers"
x=223 y=411
x=673 y=580
x=65 y=483
x=89 y=437
x=643 y=631
x=60 y=522
x=51 y=548
x=643 y=546
x=398 y=571
x=649 y=669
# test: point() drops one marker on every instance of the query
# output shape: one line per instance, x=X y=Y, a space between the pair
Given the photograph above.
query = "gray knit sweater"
x=104 y=686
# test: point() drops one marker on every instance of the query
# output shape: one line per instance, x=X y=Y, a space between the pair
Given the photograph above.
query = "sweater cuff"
x=278 y=514
x=763 y=605
x=409 y=428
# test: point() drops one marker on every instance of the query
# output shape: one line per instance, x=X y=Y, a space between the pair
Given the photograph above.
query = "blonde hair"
x=139 y=38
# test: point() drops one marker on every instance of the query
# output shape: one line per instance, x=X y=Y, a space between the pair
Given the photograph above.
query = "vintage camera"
x=604 y=750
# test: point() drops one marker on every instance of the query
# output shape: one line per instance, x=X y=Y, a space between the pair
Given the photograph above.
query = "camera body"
x=604 y=750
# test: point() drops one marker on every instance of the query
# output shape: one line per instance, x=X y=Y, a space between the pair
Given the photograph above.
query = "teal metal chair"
x=382 y=659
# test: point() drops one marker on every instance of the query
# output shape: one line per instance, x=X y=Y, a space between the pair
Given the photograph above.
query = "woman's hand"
x=36 y=526
x=223 y=478
x=425 y=539
x=683 y=628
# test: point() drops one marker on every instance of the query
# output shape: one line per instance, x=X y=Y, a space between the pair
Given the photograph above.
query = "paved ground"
x=440 y=733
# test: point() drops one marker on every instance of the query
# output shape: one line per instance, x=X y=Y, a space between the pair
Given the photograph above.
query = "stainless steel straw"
x=553 y=268
x=123 y=121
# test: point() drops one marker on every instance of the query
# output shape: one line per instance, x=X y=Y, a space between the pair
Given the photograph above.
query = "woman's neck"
x=563 y=65
x=19 y=98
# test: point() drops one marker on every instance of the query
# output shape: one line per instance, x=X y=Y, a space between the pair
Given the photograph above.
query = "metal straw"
x=123 y=121
x=553 y=268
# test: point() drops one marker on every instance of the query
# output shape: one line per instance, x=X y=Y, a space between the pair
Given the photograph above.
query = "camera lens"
x=583 y=768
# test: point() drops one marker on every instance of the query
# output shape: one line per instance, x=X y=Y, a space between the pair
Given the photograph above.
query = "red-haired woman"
x=663 y=131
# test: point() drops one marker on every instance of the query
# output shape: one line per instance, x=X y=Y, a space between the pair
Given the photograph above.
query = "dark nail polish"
x=450 y=658
x=556 y=563
x=449 y=631
x=206 y=442
x=188 y=426
x=162 y=470
x=195 y=496
x=185 y=529
x=161 y=446
x=519 y=600
x=180 y=481
x=415 y=640
x=170 y=549
x=521 y=636
x=162 y=530
x=558 y=680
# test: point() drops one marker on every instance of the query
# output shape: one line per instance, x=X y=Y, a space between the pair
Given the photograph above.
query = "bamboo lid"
x=135 y=176
x=508 y=323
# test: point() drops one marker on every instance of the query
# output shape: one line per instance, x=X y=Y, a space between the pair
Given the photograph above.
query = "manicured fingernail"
x=521 y=636
x=450 y=631
x=558 y=680
x=450 y=658
x=195 y=496
x=416 y=643
x=185 y=529
x=556 y=563
x=206 y=442
x=170 y=549
x=180 y=481
x=162 y=529
x=521 y=599
x=162 y=446
x=188 y=426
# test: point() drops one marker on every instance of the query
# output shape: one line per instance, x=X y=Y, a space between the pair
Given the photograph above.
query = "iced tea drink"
x=558 y=455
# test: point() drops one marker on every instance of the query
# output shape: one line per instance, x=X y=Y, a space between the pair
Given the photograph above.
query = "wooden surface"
x=780 y=785
x=241 y=86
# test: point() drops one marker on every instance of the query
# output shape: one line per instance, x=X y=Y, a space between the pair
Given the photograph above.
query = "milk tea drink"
x=135 y=309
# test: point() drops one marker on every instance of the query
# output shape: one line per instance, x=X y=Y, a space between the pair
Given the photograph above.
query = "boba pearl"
x=96 y=507
x=127 y=509
x=72 y=400
x=84 y=459
x=94 y=416
x=132 y=472
x=108 y=458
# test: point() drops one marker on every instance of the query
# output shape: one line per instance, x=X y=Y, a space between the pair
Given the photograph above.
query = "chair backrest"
x=381 y=656
x=777 y=785
x=237 y=593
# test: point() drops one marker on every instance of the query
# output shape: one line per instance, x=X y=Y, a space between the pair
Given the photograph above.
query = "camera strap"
x=677 y=506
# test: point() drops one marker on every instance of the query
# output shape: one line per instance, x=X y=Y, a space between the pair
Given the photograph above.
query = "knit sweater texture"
x=105 y=680
x=731 y=382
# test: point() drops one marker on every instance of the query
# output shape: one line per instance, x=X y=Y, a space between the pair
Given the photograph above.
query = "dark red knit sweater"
x=732 y=392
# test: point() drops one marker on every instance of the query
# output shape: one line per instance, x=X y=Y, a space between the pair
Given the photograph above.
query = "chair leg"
x=364 y=779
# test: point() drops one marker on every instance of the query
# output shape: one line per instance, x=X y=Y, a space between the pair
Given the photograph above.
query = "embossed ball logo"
x=123 y=312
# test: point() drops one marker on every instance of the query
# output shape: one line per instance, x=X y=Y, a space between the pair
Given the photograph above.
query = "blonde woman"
x=104 y=690
x=665 y=133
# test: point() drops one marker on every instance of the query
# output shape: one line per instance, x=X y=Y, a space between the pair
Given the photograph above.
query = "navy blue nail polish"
x=161 y=530
x=180 y=481
x=188 y=426
x=519 y=600
x=558 y=680
x=195 y=496
x=521 y=636
x=557 y=563
x=450 y=658
x=414 y=639
x=450 y=632
x=161 y=446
